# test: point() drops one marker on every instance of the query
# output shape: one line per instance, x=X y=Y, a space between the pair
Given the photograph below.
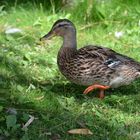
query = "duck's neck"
x=68 y=49
x=69 y=40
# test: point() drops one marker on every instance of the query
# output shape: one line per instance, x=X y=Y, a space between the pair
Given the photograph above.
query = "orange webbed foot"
x=96 y=86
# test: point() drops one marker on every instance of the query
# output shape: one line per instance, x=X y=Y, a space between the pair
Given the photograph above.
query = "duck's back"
x=108 y=56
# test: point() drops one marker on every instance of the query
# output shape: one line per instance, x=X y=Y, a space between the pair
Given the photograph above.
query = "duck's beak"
x=48 y=36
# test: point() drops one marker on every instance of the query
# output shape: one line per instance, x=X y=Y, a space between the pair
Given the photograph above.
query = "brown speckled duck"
x=93 y=66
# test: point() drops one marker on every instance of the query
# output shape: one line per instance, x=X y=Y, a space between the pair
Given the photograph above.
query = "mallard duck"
x=93 y=66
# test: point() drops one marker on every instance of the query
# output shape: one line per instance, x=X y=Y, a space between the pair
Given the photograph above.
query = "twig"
x=28 y=122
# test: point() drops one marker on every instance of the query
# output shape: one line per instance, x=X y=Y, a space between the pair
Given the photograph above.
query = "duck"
x=93 y=66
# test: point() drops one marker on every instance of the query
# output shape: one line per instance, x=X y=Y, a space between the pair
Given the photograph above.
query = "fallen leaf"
x=83 y=131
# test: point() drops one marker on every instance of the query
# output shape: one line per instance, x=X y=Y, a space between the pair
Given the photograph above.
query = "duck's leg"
x=96 y=86
x=101 y=94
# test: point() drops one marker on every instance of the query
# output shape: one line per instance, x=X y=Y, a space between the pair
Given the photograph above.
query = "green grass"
x=31 y=83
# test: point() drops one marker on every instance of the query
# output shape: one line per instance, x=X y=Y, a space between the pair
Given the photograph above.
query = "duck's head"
x=62 y=27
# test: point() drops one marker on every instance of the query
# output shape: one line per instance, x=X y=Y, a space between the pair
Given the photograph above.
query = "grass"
x=31 y=84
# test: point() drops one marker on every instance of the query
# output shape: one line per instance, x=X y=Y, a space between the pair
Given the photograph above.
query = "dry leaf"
x=83 y=131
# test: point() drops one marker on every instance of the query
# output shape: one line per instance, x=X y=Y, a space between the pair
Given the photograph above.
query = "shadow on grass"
x=77 y=90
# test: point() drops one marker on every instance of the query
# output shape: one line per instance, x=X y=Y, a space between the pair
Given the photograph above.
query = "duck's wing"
x=128 y=61
x=107 y=56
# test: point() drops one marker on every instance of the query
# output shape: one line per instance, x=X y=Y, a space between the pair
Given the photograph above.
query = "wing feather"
x=108 y=56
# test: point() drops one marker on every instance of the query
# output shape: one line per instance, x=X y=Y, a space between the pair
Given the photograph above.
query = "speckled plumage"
x=91 y=64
